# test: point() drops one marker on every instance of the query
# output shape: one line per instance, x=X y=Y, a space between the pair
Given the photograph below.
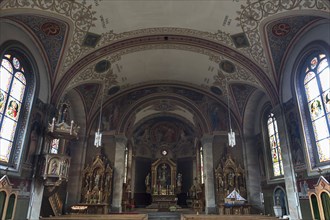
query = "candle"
x=71 y=127
x=53 y=124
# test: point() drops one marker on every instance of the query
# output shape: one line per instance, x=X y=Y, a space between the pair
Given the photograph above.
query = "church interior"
x=99 y=116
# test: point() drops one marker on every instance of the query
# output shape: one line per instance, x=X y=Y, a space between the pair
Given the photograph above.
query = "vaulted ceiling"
x=211 y=48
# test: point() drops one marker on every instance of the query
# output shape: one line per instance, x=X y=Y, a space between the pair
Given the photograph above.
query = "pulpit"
x=164 y=184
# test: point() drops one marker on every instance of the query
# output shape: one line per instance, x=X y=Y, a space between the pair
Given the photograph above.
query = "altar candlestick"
x=71 y=127
x=53 y=124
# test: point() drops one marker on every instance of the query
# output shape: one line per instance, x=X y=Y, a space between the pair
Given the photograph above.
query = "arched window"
x=12 y=88
x=16 y=93
x=275 y=148
x=202 y=163
x=316 y=82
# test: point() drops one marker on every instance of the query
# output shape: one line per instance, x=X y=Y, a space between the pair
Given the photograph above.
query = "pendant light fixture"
x=98 y=134
x=231 y=134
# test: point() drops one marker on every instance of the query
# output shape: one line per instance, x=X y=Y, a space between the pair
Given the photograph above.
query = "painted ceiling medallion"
x=102 y=66
x=281 y=29
x=50 y=28
x=227 y=66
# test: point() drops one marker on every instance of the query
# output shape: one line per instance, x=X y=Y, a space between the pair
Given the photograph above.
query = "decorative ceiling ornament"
x=89 y=74
x=50 y=32
x=80 y=14
x=251 y=16
x=164 y=106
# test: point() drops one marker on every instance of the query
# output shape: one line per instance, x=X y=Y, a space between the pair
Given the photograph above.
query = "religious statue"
x=179 y=180
x=97 y=179
x=147 y=180
x=162 y=175
x=147 y=183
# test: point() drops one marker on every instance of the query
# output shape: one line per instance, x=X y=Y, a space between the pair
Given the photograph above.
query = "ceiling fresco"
x=162 y=53
x=51 y=34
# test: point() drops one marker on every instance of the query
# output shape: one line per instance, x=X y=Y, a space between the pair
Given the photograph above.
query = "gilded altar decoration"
x=231 y=188
x=97 y=182
x=164 y=183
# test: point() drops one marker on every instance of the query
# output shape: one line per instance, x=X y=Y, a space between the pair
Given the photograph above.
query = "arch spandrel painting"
x=160 y=132
x=294 y=137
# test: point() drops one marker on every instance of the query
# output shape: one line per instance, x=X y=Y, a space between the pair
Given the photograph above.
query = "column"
x=289 y=174
x=36 y=199
x=119 y=166
x=78 y=157
x=196 y=161
x=207 y=143
x=253 y=185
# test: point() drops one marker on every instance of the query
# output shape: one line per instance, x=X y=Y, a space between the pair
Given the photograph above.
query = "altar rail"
x=93 y=217
x=226 y=217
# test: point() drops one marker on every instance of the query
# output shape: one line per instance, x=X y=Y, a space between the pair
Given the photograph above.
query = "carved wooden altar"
x=164 y=186
x=229 y=176
x=97 y=185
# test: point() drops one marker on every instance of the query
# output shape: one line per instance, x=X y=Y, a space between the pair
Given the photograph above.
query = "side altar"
x=164 y=184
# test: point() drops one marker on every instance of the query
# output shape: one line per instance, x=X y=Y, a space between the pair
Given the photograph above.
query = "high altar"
x=163 y=184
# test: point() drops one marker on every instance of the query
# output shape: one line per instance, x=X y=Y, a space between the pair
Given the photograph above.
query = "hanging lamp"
x=231 y=134
x=98 y=134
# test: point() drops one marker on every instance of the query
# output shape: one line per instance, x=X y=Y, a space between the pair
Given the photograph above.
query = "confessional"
x=319 y=199
x=8 y=198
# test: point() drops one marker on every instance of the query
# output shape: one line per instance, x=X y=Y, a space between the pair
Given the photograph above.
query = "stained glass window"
x=202 y=164
x=275 y=146
x=54 y=146
x=126 y=165
x=317 y=89
x=12 y=88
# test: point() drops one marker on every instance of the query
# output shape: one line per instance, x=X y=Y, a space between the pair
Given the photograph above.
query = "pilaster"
x=119 y=166
x=36 y=199
x=207 y=143
x=289 y=174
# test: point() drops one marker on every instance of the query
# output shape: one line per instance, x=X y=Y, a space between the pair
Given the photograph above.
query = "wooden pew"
x=101 y=217
x=226 y=217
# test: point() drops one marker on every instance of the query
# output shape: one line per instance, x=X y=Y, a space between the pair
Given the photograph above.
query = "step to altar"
x=164 y=216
